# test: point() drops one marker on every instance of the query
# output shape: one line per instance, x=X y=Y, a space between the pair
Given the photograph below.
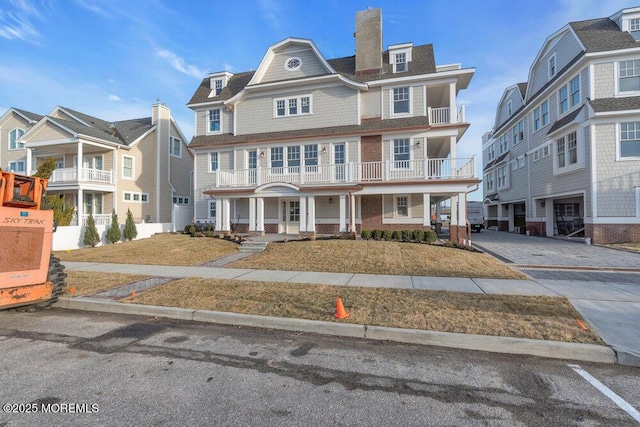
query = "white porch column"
x=352 y=213
x=311 y=223
x=260 y=214
x=218 y=203
x=462 y=209
x=452 y=103
x=438 y=212
x=80 y=207
x=252 y=214
x=453 y=220
x=79 y=162
x=226 y=214
x=28 y=168
x=303 y=213
x=548 y=212
x=343 y=213
x=426 y=215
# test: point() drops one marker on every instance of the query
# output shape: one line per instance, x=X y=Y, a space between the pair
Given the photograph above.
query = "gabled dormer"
x=217 y=82
x=628 y=20
x=400 y=56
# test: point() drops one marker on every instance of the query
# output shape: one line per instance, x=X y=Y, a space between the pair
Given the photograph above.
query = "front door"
x=290 y=223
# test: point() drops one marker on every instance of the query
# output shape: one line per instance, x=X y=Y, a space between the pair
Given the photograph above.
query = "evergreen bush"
x=113 y=233
x=91 y=236
x=130 y=231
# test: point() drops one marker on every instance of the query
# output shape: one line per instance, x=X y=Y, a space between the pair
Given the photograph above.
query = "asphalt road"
x=101 y=369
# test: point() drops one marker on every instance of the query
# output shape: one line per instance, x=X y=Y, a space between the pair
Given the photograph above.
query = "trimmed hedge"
x=419 y=236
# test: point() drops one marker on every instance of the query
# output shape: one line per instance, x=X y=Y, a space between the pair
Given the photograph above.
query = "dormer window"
x=552 y=66
x=292 y=64
x=401 y=62
x=217 y=87
x=634 y=28
x=509 y=111
x=217 y=82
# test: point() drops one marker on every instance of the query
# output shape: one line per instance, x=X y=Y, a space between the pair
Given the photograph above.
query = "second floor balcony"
x=68 y=175
x=351 y=173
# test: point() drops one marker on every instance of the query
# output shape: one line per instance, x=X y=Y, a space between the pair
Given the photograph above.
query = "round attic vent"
x=293 y=63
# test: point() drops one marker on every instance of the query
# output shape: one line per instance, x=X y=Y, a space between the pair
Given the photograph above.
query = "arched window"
x=14 y=136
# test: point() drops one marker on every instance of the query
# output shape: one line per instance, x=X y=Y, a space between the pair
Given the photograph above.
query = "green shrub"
x=186 y=228
x=113 y=233
x=377 y=234
x=209 y=227
x=130 y=231
x=91 y=236
x=418 y=235
x=407 y=235
x=387 y=235
x=209 y=233
x=430 y=236
x=193 y=229
x=396 y=236
x=366 y=234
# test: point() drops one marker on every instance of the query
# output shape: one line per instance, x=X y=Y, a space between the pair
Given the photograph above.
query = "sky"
x=113 y=59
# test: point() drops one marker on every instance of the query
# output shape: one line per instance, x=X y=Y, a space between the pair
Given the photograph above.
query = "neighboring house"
x=564 y=154
x=305 y=145
x=142 y=164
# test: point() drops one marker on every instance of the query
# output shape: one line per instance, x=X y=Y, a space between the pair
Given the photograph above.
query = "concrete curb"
x=551 y=349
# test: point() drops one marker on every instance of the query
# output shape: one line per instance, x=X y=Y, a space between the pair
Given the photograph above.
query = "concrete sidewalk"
x=613 y=309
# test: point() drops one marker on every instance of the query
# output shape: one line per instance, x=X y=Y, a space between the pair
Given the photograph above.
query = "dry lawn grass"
x=377 y=257
x=88 y=282
x=545 y=318
x=161 y=249
x=634 y=247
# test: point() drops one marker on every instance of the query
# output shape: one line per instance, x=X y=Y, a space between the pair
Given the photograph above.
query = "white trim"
x=17 y=141
x=395 y=207
x=466 y=72
x=207 y=130
x=392 y=112
x=402 y=220
x=551 y=75
x=286 y=100
x=171 y=140
x=612 y=220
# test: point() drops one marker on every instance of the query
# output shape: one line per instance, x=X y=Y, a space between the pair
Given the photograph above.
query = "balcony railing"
x=442 y=116
x=86 y=174
x=382 y=171
x=99 y=219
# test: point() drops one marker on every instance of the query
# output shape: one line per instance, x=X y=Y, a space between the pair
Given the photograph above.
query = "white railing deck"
x=86 y=174
x=99 y=219
x=445 y=116
x=382 y=171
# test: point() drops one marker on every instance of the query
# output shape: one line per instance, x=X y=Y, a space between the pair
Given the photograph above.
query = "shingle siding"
x=616 y=179
x=335 y=106
x=311 y=65
x=565 y=49
x=202 y=120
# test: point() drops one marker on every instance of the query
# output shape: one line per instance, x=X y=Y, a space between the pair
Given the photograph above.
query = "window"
x=14 y=135
x=401 y=100
x=214 y=120
x=128 y=196
x=552 y=66
x=401 y=154
x=277 y=157
x=629 y=76
x=127 y=167
x=489 y=182
x=213 y=162
x=541 y=116
x=520 y=136
x=503 y=143
x=16 y=166
x=298 y=106
x=178 y=200
x=212 y=208
x=521 y=162
x=402 y=206
x=509 y=111
x=293 y=157
x=401 y=62
x=311 y=157
x=217 y=86
x=563 y=100
x=293 y=63
x=515 y=165
x=634 y=24
x=502 y=177
x=545 y=151
x=574 y=91
x=175 y=146
x=491 y=152
x=630 y=140
x=536 y=155
x=567 y=150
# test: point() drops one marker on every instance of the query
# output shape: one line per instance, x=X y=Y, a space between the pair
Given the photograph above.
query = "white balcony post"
x=80 y=162
x=343 y=213
x=429 y=115
x=258 y=175
x=453 y=220
x=80 y=207
x=462 y=210
x=352 y=213
x=452 y=102
x=462 y=118
x=301 y=174
x=303 y=213
x=218 y=203
x=28 y=166
x=311 y=223
x=426 y=168
x=387 y=170
x=349 y=173
x=426 y=215
x=252 y=214
x=260 y=215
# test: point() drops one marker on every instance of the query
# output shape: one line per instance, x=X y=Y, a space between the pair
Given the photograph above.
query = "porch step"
x=251 y=246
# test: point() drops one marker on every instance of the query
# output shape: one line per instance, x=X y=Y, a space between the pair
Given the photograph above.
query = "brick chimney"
x=368 y=41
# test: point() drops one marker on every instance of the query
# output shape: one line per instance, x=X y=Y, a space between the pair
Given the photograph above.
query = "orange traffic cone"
x=133 y=294
x=72 y=290
x=340 y=313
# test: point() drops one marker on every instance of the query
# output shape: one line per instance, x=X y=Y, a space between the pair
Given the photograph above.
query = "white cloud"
x=92 y=6
x=15 y=22
x=113 y=97
x=179 y=64
x=270 y=12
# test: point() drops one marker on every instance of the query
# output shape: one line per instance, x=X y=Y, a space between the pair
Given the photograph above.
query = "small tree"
x=130 y=231
x=113 y=233
x=91 y=236
x=61 y=213
x=46 y=168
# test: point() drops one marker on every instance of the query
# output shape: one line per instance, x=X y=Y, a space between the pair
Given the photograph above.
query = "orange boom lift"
x=29 y=273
